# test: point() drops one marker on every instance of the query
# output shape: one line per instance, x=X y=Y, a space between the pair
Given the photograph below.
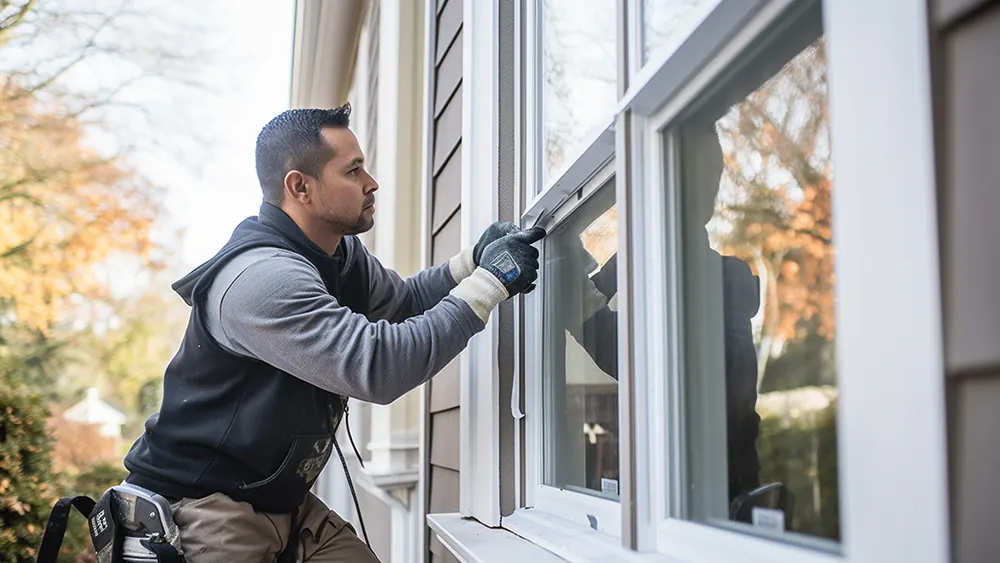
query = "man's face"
x=345 y=195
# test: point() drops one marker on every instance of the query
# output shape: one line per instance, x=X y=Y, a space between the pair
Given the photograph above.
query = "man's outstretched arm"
x=396 y=300
x=278 y=311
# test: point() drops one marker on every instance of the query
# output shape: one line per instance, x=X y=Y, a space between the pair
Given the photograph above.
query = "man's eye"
x=354 y=171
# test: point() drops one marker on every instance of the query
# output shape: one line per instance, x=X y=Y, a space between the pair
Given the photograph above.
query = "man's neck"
x=317 y=230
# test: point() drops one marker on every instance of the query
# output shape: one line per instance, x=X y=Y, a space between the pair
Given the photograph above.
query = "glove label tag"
x=504 y=268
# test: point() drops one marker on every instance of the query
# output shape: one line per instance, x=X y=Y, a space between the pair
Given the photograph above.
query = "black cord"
x=347 y=423
x=350 y=483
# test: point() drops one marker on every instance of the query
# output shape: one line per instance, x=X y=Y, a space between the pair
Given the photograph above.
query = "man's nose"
x=372 y=184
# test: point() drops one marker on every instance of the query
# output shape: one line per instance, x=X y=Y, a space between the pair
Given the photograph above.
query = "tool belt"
x=128 y=524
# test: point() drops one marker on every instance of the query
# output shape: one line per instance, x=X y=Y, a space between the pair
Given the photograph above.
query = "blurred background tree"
x=78 y=218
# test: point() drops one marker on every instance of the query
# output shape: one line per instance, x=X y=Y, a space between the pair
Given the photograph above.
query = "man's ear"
x=296 y=187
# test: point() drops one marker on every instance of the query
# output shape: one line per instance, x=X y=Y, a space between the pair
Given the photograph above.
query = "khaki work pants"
x=218 y=529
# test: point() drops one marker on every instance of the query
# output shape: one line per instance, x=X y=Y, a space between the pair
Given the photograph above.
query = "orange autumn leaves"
x=775 y=201
x=63 y=209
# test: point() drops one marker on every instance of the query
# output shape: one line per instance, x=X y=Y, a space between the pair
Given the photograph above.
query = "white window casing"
x=480 y=377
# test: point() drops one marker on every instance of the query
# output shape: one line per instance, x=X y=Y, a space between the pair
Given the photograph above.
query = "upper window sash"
x=660 y=78
x=652 y=86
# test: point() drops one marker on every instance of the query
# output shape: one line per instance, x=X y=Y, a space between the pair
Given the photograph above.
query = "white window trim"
x=480 y=378
x=881 y=112
x=430 y=31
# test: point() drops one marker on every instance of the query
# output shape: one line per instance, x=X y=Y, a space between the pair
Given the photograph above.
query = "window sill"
x=473 y=542
x=530 y=537
x=572 y=541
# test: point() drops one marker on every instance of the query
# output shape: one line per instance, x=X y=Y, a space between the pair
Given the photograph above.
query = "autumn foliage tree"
x=774 y=203
x=64 y=208
x=70 y=201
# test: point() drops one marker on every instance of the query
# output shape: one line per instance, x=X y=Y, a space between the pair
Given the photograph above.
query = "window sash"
x=567 y=505
x=675 y=536
x=880 y=480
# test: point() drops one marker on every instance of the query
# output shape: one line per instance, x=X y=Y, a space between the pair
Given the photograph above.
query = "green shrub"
x=28 y=488
x=25 y=472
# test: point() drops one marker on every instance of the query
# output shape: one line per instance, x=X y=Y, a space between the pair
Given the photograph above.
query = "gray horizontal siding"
x=966 y=39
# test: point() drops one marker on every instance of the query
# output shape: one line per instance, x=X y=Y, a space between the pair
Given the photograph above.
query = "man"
x=291 y=317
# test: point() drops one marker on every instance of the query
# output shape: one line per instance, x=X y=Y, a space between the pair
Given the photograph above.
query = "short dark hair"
x=292 y=141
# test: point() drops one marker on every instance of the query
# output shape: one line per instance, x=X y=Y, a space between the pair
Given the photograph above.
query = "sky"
x=208 y=201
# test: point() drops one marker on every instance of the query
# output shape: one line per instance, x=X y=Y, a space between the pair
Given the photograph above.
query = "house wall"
x=442 y=436
x=966 y=42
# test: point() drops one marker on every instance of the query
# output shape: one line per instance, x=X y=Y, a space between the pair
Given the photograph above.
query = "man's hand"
x=512 y=260
x=507 y=266
x=492 y=233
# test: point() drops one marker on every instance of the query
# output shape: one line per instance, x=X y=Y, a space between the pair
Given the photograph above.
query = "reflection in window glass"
x=759 y=326
x=578 y=75
x=580 y=349
x=667 y=23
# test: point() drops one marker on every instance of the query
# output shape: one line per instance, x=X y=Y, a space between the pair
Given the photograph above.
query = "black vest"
x=236 y=425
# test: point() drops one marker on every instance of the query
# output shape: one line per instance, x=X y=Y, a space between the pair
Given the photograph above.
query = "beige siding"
x=448 y=197
x=447 y=133
x=448 y=25
x=967 y=102
x=442 y=408
x=444 y=453
x=444 y=388
x=449 y=76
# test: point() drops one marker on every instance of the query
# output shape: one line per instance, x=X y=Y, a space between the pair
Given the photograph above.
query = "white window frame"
x=479 y=457
x=880 y=112
x=592 y=168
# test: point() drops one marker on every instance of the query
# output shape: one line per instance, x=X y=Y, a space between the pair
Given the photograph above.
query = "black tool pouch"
x=125 y=514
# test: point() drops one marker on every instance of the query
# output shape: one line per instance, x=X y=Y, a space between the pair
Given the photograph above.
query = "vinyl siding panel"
x=447 y=131
x=447 y=192
x=449 y=23
x=444 y=388
x=965 y=42
x=449 y=76
x=442 y=399
x=444 y=452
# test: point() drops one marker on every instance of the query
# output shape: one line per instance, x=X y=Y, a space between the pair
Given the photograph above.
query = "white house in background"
x=93 y=410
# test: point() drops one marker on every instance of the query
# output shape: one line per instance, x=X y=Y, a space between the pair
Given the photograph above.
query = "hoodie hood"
x=272 y=227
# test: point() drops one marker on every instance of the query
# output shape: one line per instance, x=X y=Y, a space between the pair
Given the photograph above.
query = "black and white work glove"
x=507 y=266
x=464 y=263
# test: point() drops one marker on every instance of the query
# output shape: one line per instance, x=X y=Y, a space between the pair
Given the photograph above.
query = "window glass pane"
x=580 y=349
x=667 y=23
x=579 y=77
x=759 y=331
